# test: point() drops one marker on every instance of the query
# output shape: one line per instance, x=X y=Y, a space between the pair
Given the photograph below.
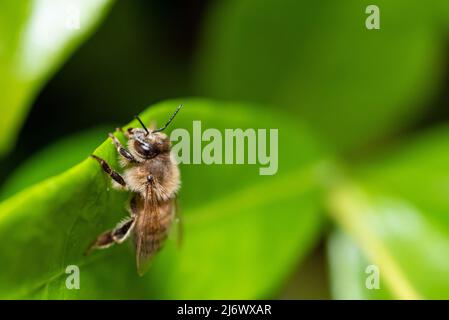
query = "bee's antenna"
x=142 y=124
x=169 y=120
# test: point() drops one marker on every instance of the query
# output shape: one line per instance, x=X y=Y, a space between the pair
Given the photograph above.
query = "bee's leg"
x=121 y=149
x=123 y=229
x=113 y=174
x=120 y=233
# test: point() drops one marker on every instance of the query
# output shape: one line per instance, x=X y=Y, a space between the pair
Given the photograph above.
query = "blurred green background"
x=363 y=146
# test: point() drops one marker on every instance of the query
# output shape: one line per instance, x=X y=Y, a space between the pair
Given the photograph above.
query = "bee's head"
x=147 y=144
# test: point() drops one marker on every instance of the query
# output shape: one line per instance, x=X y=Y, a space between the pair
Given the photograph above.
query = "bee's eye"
x=145 y=149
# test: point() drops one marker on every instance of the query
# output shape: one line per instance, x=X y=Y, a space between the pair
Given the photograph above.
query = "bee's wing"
x=145 y=229
x=150 y=233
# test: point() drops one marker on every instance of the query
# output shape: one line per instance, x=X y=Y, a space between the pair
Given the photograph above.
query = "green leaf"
x=318 y=60
x=36 y=37
x=348 y=271
x=243 y=232
x=396 y=213
x=53 y=160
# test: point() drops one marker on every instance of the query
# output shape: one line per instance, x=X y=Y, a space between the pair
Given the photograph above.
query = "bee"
x=153 y=177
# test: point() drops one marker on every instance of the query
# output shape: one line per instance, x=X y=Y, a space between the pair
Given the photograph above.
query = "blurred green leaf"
x=242 y=232
x=310 y=280
x=53 y=160
x=397 y=215
x=317 y=59
x=35 y=39
x=348 y=270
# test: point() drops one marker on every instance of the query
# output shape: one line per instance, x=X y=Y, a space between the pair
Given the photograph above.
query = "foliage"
x=237 y=225
x=338 y=94
x=35 y=40
x=317 y=59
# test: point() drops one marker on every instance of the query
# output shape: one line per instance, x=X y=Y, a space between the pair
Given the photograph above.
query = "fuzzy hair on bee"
x=152 y=176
